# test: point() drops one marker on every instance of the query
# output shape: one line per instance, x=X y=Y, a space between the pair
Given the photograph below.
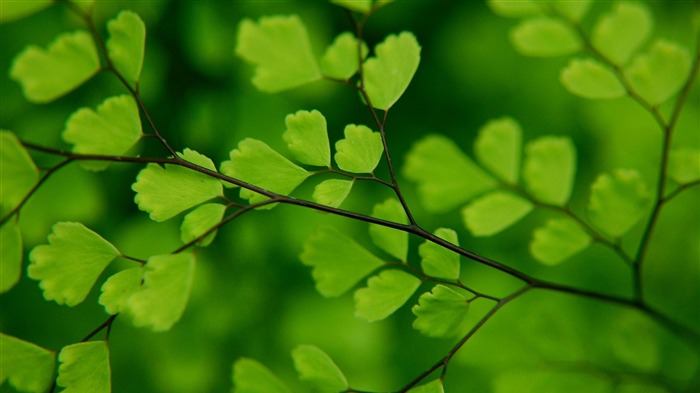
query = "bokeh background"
x=252 y=297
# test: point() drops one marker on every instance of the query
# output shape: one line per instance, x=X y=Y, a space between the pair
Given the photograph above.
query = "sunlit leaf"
x=544 y=37
x=558 y=240
x=684 y=165
x=437 y=261
x=440 y=313
x=550 y=168
x=85 y=368
x=200 y=220
x=494 y=212
x=249 y=376
x=69 y=265
x=430 y=387
x=385 y=293
x=589 y=78
x=618 y=201
x=318 y=370
x=28 y=367
x=279 y=47
x=119 y=287
x=332 y=192
x=341 y=60
x=498 y=147
x=354 y=5
x=17 y=170
x=126 y=44
x=10 y=255
x=388 y=74
x=360 y=151
x=338 y=262
x=45 y=75
x=14 y=10
x=307 y=138
x=393 y=241
x=619 y=33
x=659 y=74
x=572 y=10
x=514 y=9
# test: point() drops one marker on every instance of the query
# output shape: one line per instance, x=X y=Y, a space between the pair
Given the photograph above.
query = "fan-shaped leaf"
x=28 y=367
x=85 y=368
x=684 y=165
x=200 y=220
x=618 y=201
x=332 y=192
x=14 y=10
x=385 y=293
x=438 y=261
x=10 y=255
x=17 y=170
x=494 y=212
x=70 y=264
x=619 y=33
x=355 y=5
x=440 y=313
x=515 y=9
x=391 y=240
x=430 y=387
x=318 y=370
x=550 y=168
x=572 y=10
x=249 y=376
x=307 y=138
x=126 y=44
x=360 y=151
x=119 y=287
x=341 y=58
x=557 y=241
x=498 y=148
x=659 y=74
x=590 y=79
x=45 y=75
x=544 y=37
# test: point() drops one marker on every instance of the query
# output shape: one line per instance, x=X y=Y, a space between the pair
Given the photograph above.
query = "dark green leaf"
x=10 y=255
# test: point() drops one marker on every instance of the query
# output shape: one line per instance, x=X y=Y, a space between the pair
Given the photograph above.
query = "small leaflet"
x=119 y=287
x=28 y=367
x=341 y=59
x=557 y=241
x=515 y=9
x=355 y=5
x=127 y=44
x=17 y=170
x=434 y=386
x=437 y=261
x=15 y=10
x=622 y=31
x=498 y=147
x=440 y=313
x=590 y=79
x=657 y=75
x=249 y=376
x=200 y=220
x=393 y=241
x=684 y=165
x=543 y=36
x=10 y=255
x=550 y=168
x=317 y=369
x=618 y=201
x=332 y=192
x=360 y=151
x=385 y=293
x=307 y=138
x=85 y=368
x=494 y=212
x=572 y=10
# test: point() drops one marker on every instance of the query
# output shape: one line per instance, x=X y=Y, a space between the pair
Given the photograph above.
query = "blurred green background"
x=253 y=298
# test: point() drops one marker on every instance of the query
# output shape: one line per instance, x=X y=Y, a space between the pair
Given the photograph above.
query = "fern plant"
x=521 y=321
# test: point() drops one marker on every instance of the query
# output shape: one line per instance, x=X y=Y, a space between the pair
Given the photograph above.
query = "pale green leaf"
x=684 y=165
x=514 y=9
x=318 y=370
x=85 y=368
x=354 y=5
x=589 y=78
x=550 y=168
x=307 y=138
x=360 y=151
x=572 y=10
x=167 y=281
x=440 y=313
x=393 y=241
x=341 y=60
x=14 y=10
x=119 y=287
x=28 y=367
x=618 y=201
x=127 y=44
x=494 y=212
x=388 y=74
x=112 y=130
x=10 y=255
x=17 y=171
x=446 y=177
x=332 y=192
x=437 y=261
x=498 y=147
x=69 y=265
x=249 y=376
x=385 y=293
x=279 y=47
x=619 y=33
x=434 y=386
x=164 y=192
x=338 y=262
x=200 y=220
x=558 y=240
x=659 y=74
x=544 y=37
x=45 y=75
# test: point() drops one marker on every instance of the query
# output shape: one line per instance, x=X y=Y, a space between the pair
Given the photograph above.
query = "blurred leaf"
x=85 y=368
x=385 y=293
x=494 y=212
x=573 y=10
x=338 y=262
x=550 y=168
x=127 y=44
x=318 y=370
x=554 y=381
x=14 y=10
x=498 y=148
x=112 y=130
x=393 y=241
x=17 y=170
x=332 y=192
x=619 y=33
x=544 y=37
x=515 y=9
x=45 y=75
x=70 y=264
x=249 y=376
x=201 y=220
x=388 y=74
x=166 y=191
x=119 y=287
x=446 y=177
x=10 y=255
x=28 y=367
x=440 y=313
x=589 y=78
x=360 y=151
x=684 y=165
x=437 y=261
x=659 y=74
x=558 y=240
x=430 y=387
x=307 y=138
x=635 y=342
x=341 y=58
x=354 y=5
x=618 y=202
x=279 y=47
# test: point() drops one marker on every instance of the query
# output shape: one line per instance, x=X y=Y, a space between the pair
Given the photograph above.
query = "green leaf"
x=318 y=370
x=430 y=387
x=544 y=37
x=164 y=192
x=249 y=376
x=619 y=33
x=385 y=293
x=558 y=240
x=200 y=220
x=393 y=241
x=332 y=192
x=10 y=254
x=17 y=170
x=659 y=74
x=572 y=10
x=45 y=75
x=119 y=287
x=167 y=281
x=360 y=151
x=14 y=10
x=279 y=47
x=70 y=264
x=684 y=165
x=338 y=262
x=446 y=177
x=618 y=201
x=257 y=163
x=589 y=78
x=340 y=60
x=307 y=138
x=550 y=168
x=127 y=44
x=355 y=5
x=85 y=368
x=494 y=212
x=28 y=367
x=112 y=130
x=437 y=261
x=498 y=148
x=440 y=313
x=514 y=9
x=388 y=74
